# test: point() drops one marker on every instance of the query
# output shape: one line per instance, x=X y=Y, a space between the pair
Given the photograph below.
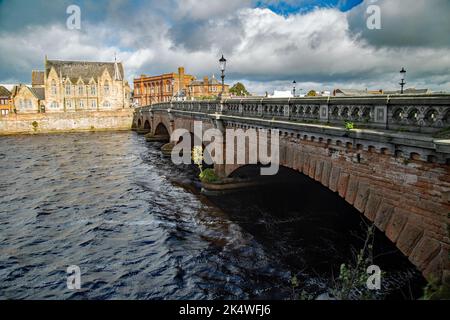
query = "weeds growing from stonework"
x=351 y=283
x=207 y=175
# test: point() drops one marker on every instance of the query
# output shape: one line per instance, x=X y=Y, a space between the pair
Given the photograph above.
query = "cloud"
x=405 y=23
x=320 y=49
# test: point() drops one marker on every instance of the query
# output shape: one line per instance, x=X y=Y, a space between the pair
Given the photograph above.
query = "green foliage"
x=208 y=176
x=239 y=90
x=349 y=125
x=311 y=93
x=443 y=134
x=35 y=125
x=435 y=290
x=352 y=280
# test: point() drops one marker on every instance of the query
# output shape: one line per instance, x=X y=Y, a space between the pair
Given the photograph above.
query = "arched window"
x=67 y=89
x=106 y=87
x=53 y=87
x=93 y=90
x=81 y=104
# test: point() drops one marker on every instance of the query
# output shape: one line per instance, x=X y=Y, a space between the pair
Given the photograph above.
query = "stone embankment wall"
x=66 y=122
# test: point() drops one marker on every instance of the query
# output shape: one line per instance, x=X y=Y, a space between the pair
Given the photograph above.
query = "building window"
x=106 y=87
x=93 y=90
x=80 y=90
x=94 y=104
x=68 y=89
x=54 y=105
x=106 y=104
x=81 y=104
x=68 y=104
x=54 y=87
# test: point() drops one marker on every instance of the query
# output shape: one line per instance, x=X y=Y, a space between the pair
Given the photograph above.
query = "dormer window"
x=93 y=90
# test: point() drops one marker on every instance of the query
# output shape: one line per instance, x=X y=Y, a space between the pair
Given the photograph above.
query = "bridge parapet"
x=403 y=113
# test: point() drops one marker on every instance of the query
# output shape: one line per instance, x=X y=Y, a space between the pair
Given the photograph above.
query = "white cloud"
x=319 y=49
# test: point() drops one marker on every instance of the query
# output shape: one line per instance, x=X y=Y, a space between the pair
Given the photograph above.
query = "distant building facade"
x=6 y=105
x=70 y=86
x=28 y=99
x=155 y=89
x=178 y=86
x=206 y=88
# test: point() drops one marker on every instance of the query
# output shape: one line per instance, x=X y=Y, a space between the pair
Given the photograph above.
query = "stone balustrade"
x=409 y=113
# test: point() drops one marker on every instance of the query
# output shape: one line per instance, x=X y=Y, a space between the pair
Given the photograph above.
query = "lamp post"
x=173 y=89
x=293 y=87
x=223 y=64
x=402 y=82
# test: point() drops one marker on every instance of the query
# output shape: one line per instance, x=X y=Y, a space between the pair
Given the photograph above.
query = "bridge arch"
x=147 y=125
x=161 y=130
x=403 y=226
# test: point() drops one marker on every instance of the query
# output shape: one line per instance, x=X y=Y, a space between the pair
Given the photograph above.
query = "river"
x=138 y=228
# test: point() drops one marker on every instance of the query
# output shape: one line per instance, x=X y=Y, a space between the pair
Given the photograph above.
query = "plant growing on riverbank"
x=207 y=175
x=352 y=281
x=35 y=125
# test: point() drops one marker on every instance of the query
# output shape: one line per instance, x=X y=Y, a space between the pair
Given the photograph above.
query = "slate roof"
x=38 y=93
x=211 y=81
x=37 y=78
x=86 y=70
x=4 y=92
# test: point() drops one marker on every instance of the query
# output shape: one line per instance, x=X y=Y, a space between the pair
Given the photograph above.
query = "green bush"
x=208 y=176
x=349 y=125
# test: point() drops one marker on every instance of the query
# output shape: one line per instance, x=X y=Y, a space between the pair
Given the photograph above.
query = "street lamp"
x=223 y=64
x=402 y=82
x=293 y=89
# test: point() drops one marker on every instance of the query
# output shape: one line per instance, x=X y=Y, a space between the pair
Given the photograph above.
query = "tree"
x=311 y=93
x=239 y=90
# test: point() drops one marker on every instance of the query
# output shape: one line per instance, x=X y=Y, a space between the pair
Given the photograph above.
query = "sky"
x=322 y=44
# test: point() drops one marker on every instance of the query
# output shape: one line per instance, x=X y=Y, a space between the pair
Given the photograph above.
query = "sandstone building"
x=71 y=86
x=5 y=101
x=206 y=88
x=163 y=88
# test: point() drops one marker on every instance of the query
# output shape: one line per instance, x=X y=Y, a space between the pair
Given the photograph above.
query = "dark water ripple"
x=109 y=203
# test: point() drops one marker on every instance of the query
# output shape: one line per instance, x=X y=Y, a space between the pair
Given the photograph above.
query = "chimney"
x=181 y=77
x=205 y=84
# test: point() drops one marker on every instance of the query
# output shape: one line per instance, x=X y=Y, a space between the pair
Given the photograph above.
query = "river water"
x=138 y=228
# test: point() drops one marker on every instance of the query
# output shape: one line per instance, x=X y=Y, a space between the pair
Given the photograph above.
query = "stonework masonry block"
x=409 y=237
x=351 y=189
x=361 y=196
x=334 y=178
x=373 y=202
x=383 y=215
x=342 y=184
x=424 y=252
x=396 y=224
x=326 y=171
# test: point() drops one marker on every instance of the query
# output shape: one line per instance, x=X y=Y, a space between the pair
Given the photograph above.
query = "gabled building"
x=72 y=86
x=6 y=105
x=28 y=99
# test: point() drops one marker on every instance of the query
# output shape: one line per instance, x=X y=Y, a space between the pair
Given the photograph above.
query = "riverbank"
x=66 y=122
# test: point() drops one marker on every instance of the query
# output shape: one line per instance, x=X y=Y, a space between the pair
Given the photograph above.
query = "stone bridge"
x=393 y=166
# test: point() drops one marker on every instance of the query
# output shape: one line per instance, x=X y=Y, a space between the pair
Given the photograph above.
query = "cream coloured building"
x=71 y=86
